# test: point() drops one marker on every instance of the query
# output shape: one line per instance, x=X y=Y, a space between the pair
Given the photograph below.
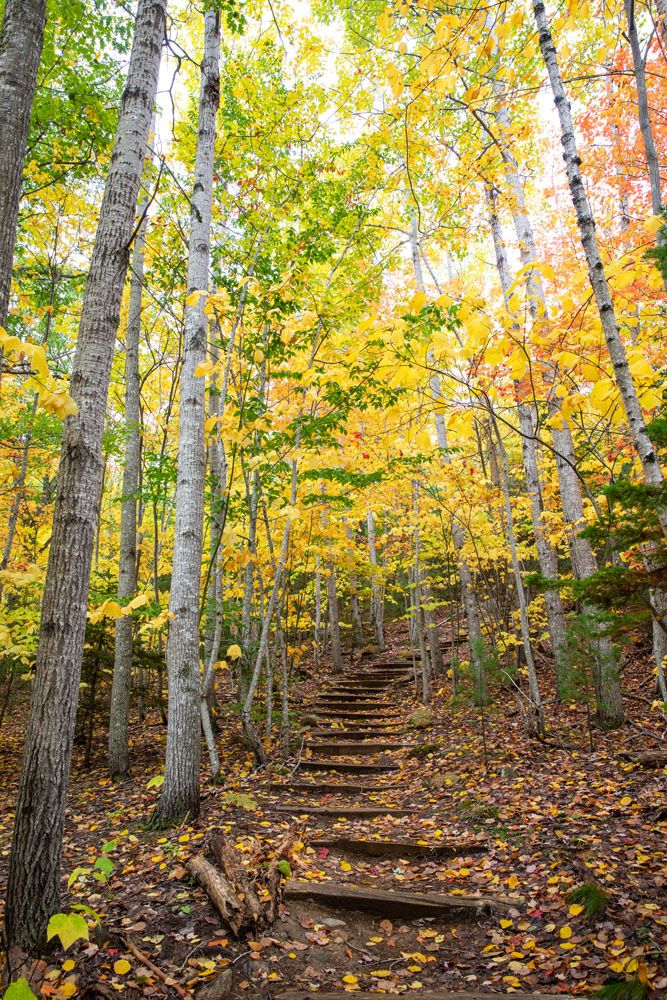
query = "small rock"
x=421 y=718
x=333 y=922
x=219 y=989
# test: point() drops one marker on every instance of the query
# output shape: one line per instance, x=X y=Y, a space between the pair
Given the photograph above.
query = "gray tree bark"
x=377 y=603
x=119 y=762
x=468 y=594
x=615 y=346
x=584 y=564
x=34 y=875
x=546 y=553
x=21 y=40
x=179 y=797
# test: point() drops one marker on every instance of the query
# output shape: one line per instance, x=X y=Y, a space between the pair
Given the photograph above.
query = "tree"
x=21 y=40
x=180 y=792
x=128 y=557
x=34 y=875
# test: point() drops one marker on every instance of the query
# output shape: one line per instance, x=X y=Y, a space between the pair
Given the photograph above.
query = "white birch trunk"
x=33 y=892
x=376 y=586
x=615 y=346
x=179 y=797
x=546 y=553
x=119 y=761
x=468 y=594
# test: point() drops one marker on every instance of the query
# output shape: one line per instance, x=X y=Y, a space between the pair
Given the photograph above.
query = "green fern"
x=623 y=989
x=593 y=899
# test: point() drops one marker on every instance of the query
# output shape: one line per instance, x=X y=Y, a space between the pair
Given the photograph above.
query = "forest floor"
x=521 y=823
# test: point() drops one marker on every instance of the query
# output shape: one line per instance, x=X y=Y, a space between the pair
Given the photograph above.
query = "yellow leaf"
x=381 y=973
x=258 y=356
x=567 y=945
x=417 y=302
x=234 y=652
x=505 y=923
x=193 y=298
x=626 y=800
x=121 y=967
x=576 y=909
x=203 y=369
x=351 y=980
x=654 y=223
x=68 y=965
x=512 y=881
x=345 y=866
x=565 y=932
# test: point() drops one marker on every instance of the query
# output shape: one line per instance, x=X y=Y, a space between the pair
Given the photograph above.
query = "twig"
x=162 y=976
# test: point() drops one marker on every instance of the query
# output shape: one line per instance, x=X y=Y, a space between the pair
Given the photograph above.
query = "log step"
x=331 y=787
x=397 y=848
x=355 y=749
x=345 y=734
x=435 y=995
x=351 y=711
x=353 y=725
x=350 y=812
x=392 y=665
x=325 y=764
x=406 y=905
x=351 y=703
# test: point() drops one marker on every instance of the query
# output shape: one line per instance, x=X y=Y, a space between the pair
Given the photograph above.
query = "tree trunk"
x=34 y=876
x=584 y=563
x=21 y=40
x=468 y=594
x=615 y=346
x=355 y=610
x=119 y=763
x=334 y=617
x=376 y=586
x=536 y=723
x=546 y=553
x=179 y=797
x=645 y=127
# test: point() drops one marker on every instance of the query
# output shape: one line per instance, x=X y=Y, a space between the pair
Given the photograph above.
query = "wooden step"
x=345 y=734
x=352 y=710
x=326 y=764
x=435 y=995
x=331 y=787
x=385 y=723
x=398 y=848
x=355 y=749
x=353 y=703
x=391 y=665
x=403 y=904
x=348 y=811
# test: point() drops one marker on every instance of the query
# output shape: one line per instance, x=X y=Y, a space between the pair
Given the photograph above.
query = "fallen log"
x=646 y=758
x=223 y=896
x=228 y=860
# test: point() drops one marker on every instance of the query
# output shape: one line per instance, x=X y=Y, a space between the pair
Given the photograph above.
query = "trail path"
x=354 y=791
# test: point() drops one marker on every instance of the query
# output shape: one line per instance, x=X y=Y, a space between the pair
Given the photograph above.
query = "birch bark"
x=179 y=797
x=615 y=346
x=119 y=763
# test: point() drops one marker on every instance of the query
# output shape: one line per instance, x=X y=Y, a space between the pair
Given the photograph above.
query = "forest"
x=333 y=525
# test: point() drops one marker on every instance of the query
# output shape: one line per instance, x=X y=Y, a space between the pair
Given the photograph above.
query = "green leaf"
x=69 y=927
x=110 y=846
x=285 y=868
x=105 y=865
x=20 y=990
x=76 y=874
x=156 y=781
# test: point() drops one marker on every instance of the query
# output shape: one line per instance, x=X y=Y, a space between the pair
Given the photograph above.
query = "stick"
x=220 y=892
x=158 y=973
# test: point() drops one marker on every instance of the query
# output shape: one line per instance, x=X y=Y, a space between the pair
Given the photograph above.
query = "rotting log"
x=222 y=895
x=405 y=905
